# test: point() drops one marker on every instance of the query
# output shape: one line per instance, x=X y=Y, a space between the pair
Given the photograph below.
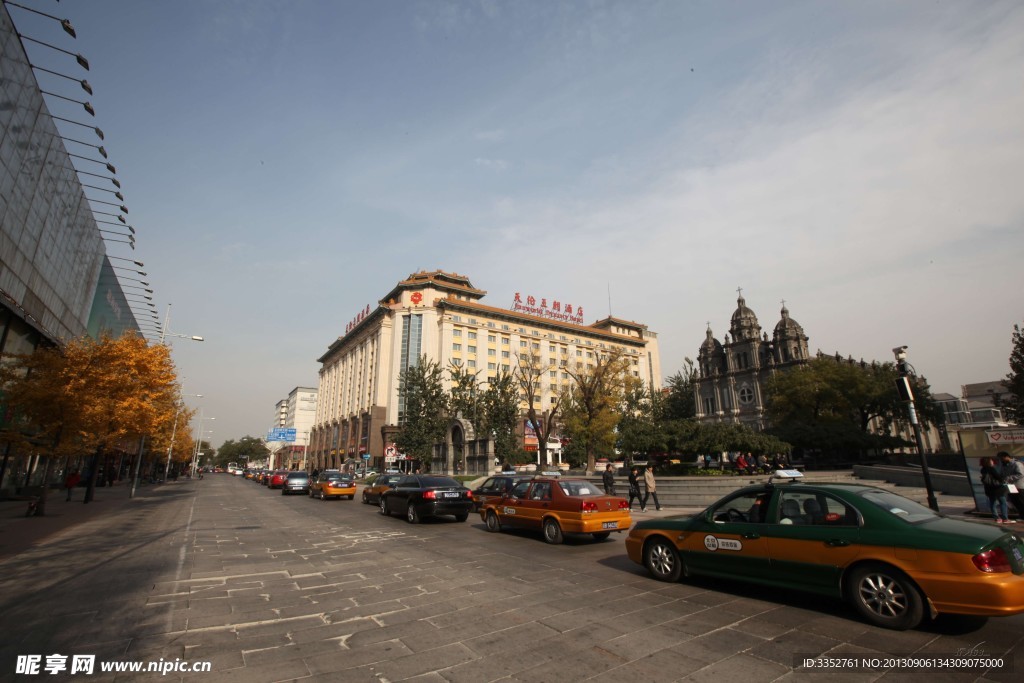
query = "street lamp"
x=907 y=394
x=64 y=23
x=170 y=448
x=199 y=439
x=167 y=326
x=80 y=81
x=95 y=129
x=87 y=106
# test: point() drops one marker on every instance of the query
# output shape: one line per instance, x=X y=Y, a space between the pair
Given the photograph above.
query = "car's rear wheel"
x=552 y=532
x=462 y=517
x=383 y=506
x=411 y=515
x=885 y=596
x=601 y=535
x=662 y=560
x=493 y=524
x=366 y=501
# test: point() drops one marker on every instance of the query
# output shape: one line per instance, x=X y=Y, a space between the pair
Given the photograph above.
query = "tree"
x=90 y=394
x=593 y=403
x=641 y=422
x=842 y=406
x=500 y=411
x=247 y=449
x=529 y=374
x=464 y=396
x=424 y=419
x=1015 y=380
x=680 y=403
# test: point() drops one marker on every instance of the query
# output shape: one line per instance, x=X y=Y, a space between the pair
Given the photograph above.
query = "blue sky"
x=286 y=163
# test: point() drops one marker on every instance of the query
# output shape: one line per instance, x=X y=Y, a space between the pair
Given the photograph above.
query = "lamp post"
x=167 y=326
x=174 y=429
x=199 y=440
x=907 y=394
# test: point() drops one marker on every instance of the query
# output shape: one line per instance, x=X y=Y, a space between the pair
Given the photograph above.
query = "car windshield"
x=898 y=506
x=579 y=488
x=438 y=481
x=298 y=475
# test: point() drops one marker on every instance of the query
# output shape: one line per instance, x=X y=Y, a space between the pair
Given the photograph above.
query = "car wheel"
x=493 y=524
x=462 y=517
x=662 y=560
x=366 y=501
x=383 y=506
x=411 y=515
x=885 y=596
x=601 y=535
x=552 y=532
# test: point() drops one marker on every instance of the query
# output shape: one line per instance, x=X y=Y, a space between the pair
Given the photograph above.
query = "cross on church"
x=739 y=291
x=783 y=303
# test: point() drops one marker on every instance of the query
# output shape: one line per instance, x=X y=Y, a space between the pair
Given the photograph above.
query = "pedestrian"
x=651 y=488
x=741 y=463
x=634 y=486
x=111 y=476
x=72 y=481
x=1012 y=472
x=608 y=479
x=995 y=490
x=762 y=464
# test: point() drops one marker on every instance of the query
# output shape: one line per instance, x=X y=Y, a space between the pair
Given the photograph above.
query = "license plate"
x=452 y=495
x=609 y=525
x=1017 y=554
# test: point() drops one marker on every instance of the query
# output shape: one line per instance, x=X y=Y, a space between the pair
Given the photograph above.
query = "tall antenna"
x=609 y=299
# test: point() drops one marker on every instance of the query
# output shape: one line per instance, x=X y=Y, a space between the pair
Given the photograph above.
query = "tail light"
x=623 y=505
x=429 y=495
x=469 y=494
x=992 y=561
x=588 y=506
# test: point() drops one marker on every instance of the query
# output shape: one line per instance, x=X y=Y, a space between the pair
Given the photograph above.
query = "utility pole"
x=907 y=394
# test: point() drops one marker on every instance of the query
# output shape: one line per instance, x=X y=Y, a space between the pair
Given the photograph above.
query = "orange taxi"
x=383 y=482
x=332 y=484
x=556 y=506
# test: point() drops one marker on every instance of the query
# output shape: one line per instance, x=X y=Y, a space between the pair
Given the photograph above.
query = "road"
x=267 y=587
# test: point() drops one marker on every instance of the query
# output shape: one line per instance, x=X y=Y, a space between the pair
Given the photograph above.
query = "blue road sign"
x=366 y=456
x=282 y=434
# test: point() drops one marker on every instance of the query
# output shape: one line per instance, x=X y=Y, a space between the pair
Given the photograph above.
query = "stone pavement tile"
x=591 y=633
x=218 y=656
x=582 y=664
x=268 y=673
x=892 y=642
x=470 y=628
x=400 y=668
x=741 y=667
x=516 y=639
x=432 y=677
x=419 y=613
x=714 y=646
x=242 y=619
x=641 y=619
x=258 y=658
x=258 y=642
x=845 y=627
x=275 y=625
x=387 y=633
x=345 y=665
x=666 y=665
x=494 y=667
x=642 y=643
x=328 y=631
x=116 y=649
x=782 y=648
x=202 y=607
x=225 y=637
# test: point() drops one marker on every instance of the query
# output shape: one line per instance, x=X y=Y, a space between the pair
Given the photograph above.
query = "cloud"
x=490 y=135
x=492 y=164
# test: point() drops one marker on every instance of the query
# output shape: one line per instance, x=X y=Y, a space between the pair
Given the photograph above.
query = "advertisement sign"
x=553 y=309
x=1007 y=436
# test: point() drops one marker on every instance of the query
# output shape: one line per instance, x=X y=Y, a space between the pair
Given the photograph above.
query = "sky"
x=287 y=163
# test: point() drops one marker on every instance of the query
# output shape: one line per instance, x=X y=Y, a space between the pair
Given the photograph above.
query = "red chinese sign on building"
x=553 y=309
x=358 y=319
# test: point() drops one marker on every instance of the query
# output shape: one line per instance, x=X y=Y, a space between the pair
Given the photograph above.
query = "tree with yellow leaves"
x=88 y=395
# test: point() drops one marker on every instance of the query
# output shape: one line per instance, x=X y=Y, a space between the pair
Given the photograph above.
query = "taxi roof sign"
x=786 y=475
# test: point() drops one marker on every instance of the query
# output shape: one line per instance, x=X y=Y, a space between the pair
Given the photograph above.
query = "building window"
x=504 y=367
x=491 y=352
x=472 y=349
x=551 y=349
x=471 y=363
x=504 y=354
x=456 y=333
x=456 y=347
x=491 y=339
x=472 y=335
x=491 y=366
x=551 y=361
x=504 y=341
x=579 y=354
x=553 y=373
x=522 y=344
x=536 y=346
x=746 y=395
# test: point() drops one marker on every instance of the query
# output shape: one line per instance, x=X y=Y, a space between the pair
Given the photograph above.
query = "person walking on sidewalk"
x=71 y=482
x=651 y=488
x=608 y=479
x=1013 y=475
x=634 y=486
x=995 y=490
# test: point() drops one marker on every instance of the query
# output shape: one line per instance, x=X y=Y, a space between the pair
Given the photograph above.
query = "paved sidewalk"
x=19 y=533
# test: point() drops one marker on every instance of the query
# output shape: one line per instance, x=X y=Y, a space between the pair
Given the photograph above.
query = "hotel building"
x=441 y=316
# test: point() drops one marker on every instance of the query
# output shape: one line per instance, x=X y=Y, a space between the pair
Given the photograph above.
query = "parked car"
x=277 y=479
x=423 y=495
x=372 y=492
x=891 y=558
x=295 y=482
x=556 y=506
x=332 y=484
x=494 y=488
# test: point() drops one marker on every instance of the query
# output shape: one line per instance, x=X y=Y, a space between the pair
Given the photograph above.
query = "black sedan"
x=423 y=495
x=295 y=482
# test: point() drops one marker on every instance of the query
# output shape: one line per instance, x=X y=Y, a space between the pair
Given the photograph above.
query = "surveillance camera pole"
x=906 y=393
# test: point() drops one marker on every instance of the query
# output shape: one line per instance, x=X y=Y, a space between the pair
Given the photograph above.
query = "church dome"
x=787 y=328
x=711 y=346
x=744 y=322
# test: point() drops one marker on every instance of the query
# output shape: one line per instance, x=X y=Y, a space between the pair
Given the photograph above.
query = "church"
x=733 y=374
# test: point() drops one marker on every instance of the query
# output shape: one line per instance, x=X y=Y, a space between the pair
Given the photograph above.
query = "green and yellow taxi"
x=893 y=559
x=556 y=506
x=332 y=484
